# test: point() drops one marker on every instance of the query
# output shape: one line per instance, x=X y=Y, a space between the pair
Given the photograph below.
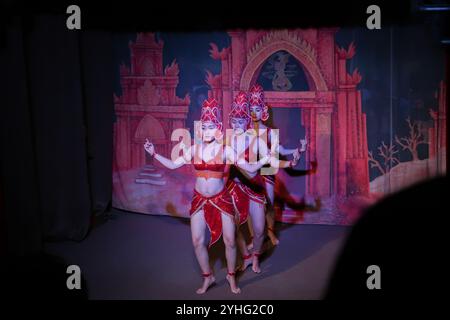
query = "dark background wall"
x=56 y=130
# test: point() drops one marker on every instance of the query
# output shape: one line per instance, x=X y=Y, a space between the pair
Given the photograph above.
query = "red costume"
x=213 y=206
x=256 y=98
x=211 y=112
x=240 y=192
x=241 y=195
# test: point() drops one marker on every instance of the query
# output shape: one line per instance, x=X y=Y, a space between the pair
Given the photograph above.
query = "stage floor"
x=136 y=256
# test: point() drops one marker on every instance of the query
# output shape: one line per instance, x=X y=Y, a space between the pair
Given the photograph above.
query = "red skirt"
x=242 y=195
x=269 y=179
x=213 y=207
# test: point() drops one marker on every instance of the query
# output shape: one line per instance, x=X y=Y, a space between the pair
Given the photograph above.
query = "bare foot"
x=246 y=263
x=273 y=238
x=255 y=264
x=207 y=282
x=232 y=281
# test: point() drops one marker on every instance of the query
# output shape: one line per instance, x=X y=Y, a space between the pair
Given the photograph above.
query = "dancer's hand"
x=266 y=158
x=303 y=144
x=297 y=157
x=148 y=146
x=182 y=146
x=294 y=161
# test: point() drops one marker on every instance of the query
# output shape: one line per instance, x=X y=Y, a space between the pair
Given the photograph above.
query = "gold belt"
x=209 y=174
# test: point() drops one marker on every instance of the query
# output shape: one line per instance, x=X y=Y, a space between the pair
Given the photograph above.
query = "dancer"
x=212 y=205
x=259 y=114
x=248 y=199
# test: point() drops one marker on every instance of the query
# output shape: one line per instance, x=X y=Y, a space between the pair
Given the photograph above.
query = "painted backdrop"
x=371 y=104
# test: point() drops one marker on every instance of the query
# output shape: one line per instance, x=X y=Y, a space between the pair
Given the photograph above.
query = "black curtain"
x=56 y=131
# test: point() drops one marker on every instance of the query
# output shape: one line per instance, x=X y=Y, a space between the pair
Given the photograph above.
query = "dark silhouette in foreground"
x=404 y=235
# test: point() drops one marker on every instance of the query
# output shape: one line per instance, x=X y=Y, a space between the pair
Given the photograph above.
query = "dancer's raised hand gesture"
x=148 y=146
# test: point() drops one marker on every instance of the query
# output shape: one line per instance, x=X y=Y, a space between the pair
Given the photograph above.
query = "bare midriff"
x=210 y=186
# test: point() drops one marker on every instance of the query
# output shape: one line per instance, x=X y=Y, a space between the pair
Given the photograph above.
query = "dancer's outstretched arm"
x=275 y=162
x=168 y=163
x=296 y=152
x=284 y=151
x=243 y=164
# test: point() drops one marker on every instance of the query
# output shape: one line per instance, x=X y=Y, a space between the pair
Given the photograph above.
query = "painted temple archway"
x=315 y=185
x=320 y=141
x=314 y=75
x=331 y=110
